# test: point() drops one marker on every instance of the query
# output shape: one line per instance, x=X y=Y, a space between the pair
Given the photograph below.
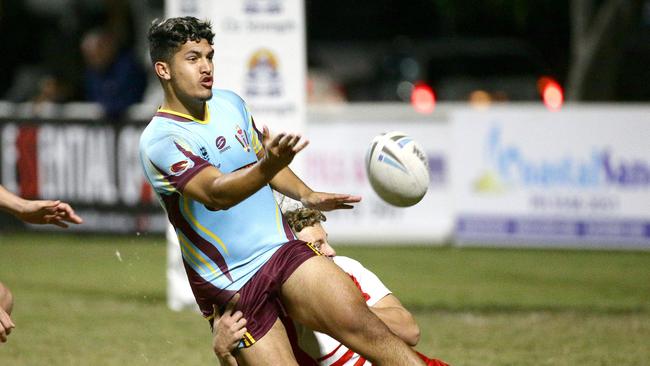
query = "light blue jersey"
x=222 y=249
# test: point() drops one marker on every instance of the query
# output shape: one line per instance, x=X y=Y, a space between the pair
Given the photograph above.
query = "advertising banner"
x=92 y=165
x=581 y=177
x=335 y=162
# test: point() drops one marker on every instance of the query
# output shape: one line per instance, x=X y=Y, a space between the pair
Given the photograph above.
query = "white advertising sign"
x=581 y=177
x=335 y=162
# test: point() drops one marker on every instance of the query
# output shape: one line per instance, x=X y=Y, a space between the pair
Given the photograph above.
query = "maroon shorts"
x=260 y=297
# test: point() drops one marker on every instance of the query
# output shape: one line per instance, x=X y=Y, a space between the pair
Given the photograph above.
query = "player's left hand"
x=48 y=212
x=329 y=201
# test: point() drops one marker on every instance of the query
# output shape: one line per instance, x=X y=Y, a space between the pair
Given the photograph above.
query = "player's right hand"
x=6 y=325
x=48 y=212
x=282 y=148
x=227 y=329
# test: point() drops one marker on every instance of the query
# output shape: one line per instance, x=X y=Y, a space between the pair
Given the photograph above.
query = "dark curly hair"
x=166 y=36
x=301 y=218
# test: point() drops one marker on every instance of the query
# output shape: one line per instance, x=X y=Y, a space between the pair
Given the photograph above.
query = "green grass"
x=80 y=303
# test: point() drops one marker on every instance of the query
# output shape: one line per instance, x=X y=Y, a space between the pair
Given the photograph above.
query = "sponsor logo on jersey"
x=221 y=144
x=181 y=166
x=204 y=153
x=243 y=139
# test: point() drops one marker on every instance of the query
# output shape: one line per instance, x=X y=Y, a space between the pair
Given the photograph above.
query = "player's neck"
x=194 y=108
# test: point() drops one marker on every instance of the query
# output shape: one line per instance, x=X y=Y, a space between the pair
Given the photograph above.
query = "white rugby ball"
x=397 y=169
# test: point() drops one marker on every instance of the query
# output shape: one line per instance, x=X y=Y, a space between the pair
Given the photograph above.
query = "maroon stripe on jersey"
x=287 y=229
x=179 y=181
x=178 y=220
x=199 y=164
x=260 y=136
x=172 y=116
x=27 y=162
x=205 y=293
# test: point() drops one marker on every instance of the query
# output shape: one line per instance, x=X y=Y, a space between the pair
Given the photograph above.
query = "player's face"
x=316 y=235
x=191 y=70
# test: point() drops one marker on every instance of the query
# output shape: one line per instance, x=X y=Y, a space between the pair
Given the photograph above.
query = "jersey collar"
x=182 y=117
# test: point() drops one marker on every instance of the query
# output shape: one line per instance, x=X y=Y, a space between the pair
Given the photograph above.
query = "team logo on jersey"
x=263 y=6
x=204 y=153
x=243 y=139
x=179 y=167
x=263 y=77
x=221 y=144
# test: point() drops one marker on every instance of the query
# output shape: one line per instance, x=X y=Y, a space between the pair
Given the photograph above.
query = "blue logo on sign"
x=598 y=168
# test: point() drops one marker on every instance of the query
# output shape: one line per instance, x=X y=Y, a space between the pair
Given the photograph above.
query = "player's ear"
x=162 y=70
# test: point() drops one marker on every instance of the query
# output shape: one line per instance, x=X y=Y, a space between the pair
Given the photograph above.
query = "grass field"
x=96 y=300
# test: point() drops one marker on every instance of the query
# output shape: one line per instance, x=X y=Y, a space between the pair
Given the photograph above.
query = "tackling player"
x=213 y=171
x=307 y=225
x=34 y=212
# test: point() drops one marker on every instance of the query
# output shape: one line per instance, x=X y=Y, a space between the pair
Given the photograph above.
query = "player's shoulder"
x=227 y=96
x=157 y=127
x=161 y=129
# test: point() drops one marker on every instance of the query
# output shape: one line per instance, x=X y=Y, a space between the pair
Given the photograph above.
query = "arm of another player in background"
x=227 y=331
x=399 y=320
x=6 y=304
x=288 y=183
x=222 y=191
x=38 y=211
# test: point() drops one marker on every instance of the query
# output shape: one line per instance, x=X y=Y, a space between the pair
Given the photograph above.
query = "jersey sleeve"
x=170 y=162
x=370 y=285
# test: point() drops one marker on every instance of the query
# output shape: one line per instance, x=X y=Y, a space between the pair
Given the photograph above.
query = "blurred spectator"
x=113 y=75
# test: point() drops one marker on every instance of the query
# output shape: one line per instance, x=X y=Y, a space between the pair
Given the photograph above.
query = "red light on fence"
x=552 y=93
x=423 y=99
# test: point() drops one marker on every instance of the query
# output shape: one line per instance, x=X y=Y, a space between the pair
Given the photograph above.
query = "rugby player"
x=213 y=171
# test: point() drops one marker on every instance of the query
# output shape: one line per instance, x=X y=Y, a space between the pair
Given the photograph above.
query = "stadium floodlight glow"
x=423 y=99
x=552 y=93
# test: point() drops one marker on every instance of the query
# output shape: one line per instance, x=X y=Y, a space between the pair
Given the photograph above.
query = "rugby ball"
x=397 y=169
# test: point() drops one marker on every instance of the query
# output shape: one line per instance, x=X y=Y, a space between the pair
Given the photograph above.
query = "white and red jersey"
x=327 y=350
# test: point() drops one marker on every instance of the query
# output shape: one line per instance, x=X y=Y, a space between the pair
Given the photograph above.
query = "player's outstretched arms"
x=6 y=304
x=222 y=191
x=329 y=201
x=399 y=320
x=38 y=211
x=287 y=183
x=227 y=331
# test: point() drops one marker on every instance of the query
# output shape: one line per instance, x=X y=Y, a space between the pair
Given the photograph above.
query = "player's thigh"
x=272 y=349
x=321 y=296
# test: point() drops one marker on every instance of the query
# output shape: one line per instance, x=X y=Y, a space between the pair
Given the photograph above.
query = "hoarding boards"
x=526 y=176
x=335 y=162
